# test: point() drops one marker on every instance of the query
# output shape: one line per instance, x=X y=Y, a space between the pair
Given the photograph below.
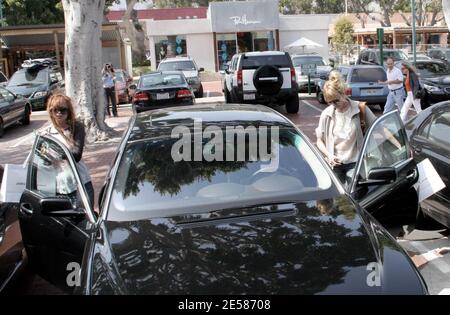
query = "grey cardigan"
x=327 y=120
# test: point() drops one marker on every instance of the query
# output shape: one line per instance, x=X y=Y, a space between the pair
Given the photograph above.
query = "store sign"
x=244 y=16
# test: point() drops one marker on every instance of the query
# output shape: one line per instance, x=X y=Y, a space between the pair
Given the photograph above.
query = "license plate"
x=249 y=97
x=371 y=91
x=162 y=96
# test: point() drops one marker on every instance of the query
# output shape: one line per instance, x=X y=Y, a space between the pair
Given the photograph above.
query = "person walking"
x=108 y=86
x=413 y=91
x=341 y=128
x=395 y=84
x=65 y=128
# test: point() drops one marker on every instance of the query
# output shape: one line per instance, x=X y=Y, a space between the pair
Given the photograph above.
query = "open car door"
x=54 y=213
x=386 y=172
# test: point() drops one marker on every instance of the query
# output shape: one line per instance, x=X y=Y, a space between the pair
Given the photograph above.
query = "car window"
x=6 y=95
x=365 y=56
x=119 y=76
x=51 y=173
x=155 y=80
x=397 y=55
x=440 y=129
x=431 y=69
x=176 y=65
x=448 y=55
x=381 y=149
x=29 y=77
x=254 y=62
x=318 y=61
x=151 y=183
x=361 y=75
x=344 y=72
x=2 y=78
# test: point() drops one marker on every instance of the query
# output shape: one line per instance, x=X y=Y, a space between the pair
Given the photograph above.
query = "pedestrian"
x=65 y=128
x=395 y=84
x=341 y=128
x=108 y=87
x=413 y=90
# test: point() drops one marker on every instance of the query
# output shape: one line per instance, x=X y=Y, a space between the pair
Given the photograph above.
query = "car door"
x=386 y=172
x=56 y=219
x=432 y=141
x=16 y=107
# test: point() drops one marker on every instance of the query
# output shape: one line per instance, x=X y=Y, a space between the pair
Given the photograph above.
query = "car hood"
x=26 y=90
x=439 y=80
x=190 y=74
x=315 y=247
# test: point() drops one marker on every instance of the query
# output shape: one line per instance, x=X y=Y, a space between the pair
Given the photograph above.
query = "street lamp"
x=413 y=13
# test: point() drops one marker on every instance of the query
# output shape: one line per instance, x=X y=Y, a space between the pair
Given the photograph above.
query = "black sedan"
x=434 y=76
x=13 y=109
x=429 y=134
x=162 y=89
x=216 y=199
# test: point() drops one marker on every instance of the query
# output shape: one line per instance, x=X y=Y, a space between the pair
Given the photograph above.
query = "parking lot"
x=16 y=144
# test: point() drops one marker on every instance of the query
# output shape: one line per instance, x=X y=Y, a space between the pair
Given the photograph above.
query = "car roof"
x=431 y=61
x=264 y=53
x=442 y=48
x=174 y=59
x=364 y=66
x=307 y=55
x=161 y=72
x=161 y=122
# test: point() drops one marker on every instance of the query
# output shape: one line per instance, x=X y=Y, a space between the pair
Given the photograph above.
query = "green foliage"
x=30 y=12
x=343 y=34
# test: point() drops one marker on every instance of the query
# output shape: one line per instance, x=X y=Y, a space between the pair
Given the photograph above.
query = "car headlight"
x=431 y=88
x=40 y=94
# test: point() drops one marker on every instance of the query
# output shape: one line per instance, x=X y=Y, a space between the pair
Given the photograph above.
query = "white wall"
x=178 y=27
x=201 y=48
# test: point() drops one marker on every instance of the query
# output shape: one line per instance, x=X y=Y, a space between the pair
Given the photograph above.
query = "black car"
x=434 y=76
x=37 y=83
x=13 y=109
x=372 y=56
x=429 y=135
x=161 y=89
x=223 y=214
x=442 y=54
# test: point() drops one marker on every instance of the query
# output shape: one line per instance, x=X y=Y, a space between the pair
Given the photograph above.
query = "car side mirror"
x=133 y=86
x=201 y=69
x=222 y=72
x=380 y=176
x=60 y=207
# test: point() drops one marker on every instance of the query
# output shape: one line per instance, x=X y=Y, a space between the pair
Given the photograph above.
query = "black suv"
x=442 y=54
x=372 y=56
x=36 y=81
x=266 y=78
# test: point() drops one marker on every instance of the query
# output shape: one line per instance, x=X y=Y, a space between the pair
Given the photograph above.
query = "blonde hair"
x=334 y=87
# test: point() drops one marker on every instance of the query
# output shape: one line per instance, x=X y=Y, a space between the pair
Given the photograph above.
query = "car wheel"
x=263 y=84
x=227 y=96
x=293 y=104
x=199 y=94
x=2 y=128
x=382 y=107
x=26 y=116
x=320 y=96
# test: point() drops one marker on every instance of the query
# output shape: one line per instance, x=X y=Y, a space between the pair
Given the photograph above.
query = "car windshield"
x=29 y=77
x=362 y=75
x=149 y=183
x=318 y=61
x=431 y=69
x=161 y=79
x=254 y=62
x=119 y=77
x=394 y=54
x=176 y=66
x=448 y=55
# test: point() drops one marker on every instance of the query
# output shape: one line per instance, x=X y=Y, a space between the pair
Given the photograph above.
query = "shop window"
x=170 y=46
x=226 y=48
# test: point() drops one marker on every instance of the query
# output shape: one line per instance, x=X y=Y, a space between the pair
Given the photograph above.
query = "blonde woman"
x=340 y=132
x=413 y=88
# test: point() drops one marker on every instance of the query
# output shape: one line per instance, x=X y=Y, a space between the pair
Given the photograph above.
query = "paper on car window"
x=429 y=181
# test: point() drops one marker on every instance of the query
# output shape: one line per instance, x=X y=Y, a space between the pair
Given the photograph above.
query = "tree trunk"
x=137 y=37
x=83 y=64
x=446 y=10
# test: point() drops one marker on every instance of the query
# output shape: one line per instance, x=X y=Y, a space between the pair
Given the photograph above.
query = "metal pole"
x=413 y=13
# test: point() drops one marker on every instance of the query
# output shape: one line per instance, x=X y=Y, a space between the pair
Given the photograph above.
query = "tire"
x=26 y=116
x=2 y=128
x=320 y=97
x=199 y=93
x=267 y=87
x=292 y=104
x=227 y=96
x=382 y=107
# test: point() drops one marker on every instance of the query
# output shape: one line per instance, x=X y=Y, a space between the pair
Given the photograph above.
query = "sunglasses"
x=62 y=110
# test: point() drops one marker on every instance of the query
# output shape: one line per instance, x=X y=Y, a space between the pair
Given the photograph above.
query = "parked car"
x=434 y=77
x=3 y=79
x=442 y=54
x=419 y=57
x=190 y=71
x=306 y=60
x=362 y=84
x=429 y=135
x=372 y=56
x=266 y=78
x=13 y=109
x=162 y=89
x=173 y=224
x=37 y=83
x=123 y=81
